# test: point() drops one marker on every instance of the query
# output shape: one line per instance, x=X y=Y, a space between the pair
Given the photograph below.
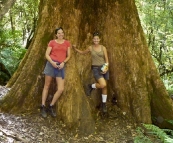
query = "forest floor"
x=32 y=128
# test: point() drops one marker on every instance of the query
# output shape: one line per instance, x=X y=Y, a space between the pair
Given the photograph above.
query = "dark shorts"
x=97 y=73
x=53 y=72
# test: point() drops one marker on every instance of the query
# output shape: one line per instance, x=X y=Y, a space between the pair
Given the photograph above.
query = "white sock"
x=104 y=98
x=93 y=85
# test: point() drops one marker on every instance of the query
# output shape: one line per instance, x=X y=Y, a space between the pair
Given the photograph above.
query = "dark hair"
x=96 y=34
x=56 y=30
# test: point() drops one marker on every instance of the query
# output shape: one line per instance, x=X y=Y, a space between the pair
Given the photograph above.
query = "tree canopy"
x=16 y=29
x=5 y=5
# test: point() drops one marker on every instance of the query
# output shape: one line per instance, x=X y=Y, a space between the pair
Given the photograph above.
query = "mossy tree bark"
x=134 y=78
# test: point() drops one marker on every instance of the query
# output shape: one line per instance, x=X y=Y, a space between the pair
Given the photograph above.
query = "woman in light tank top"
x=101 y=74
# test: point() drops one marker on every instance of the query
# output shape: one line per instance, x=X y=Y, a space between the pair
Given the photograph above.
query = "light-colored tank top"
x=98 y=58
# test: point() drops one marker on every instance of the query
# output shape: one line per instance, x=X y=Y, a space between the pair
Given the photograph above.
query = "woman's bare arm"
x=82 y=52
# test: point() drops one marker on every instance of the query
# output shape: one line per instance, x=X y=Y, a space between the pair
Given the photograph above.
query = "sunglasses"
x=58 y=28
x=96 y=34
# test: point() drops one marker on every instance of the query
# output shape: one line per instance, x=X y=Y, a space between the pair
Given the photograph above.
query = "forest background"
x=18 y=26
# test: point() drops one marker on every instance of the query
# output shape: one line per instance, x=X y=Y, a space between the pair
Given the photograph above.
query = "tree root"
x=13 y=135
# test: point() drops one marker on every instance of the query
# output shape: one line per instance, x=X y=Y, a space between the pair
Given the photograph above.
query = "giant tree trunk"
x=133 y=76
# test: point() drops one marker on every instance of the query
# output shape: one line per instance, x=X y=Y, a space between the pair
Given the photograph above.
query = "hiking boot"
x=43 y=111
x=52 y=111
x=89 y=90
x=104 y=107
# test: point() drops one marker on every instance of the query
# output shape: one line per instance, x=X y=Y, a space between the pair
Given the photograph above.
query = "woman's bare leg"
x=47 y=83
x=60 y=89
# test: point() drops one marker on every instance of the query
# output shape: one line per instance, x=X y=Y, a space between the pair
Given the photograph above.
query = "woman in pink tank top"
x=57 y=54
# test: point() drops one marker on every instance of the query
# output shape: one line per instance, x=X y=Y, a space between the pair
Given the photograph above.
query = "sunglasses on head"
x=58 y=28
x=96 y=34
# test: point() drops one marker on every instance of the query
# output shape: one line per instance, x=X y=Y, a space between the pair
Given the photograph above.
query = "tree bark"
x=134 y=78
x=5 y=6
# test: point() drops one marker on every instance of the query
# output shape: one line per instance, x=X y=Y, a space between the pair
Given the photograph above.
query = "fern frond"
x=159 y=133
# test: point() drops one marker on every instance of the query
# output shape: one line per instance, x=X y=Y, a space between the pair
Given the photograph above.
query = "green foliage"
x=4 y=77
x=11 y=52
x=157 y=22
x=21 y=20
x=11 y=57
x=9 y=38
x=160 y=134
x=156 y=131
x=170 y=121
x=168 y=132
x=141 y=138
x=16 y=29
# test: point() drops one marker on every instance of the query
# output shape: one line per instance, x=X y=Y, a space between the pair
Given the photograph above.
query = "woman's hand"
x=105 y=71
x=54 y=64
x=74 y=46
x=60 y=66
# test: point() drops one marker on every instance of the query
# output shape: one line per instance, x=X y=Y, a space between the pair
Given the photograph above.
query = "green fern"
x=168 y=131
x=141 y=138
x=159 y=133
x=170 y=121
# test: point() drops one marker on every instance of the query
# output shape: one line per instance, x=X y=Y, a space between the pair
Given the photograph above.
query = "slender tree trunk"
x=5 y=5
x=134 y=78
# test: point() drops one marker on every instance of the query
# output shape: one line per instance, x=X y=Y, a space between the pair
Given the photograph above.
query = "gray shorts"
x=53 y=72
x=97 y=73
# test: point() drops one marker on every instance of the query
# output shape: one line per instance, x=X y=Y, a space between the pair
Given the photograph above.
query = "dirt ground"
x=32 y=128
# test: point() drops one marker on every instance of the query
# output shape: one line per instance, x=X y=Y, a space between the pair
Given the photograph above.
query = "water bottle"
x=104 y=67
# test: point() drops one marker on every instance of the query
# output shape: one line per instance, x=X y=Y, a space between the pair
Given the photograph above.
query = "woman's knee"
x=61 y=90
x=103 y=85
x=46 y=86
